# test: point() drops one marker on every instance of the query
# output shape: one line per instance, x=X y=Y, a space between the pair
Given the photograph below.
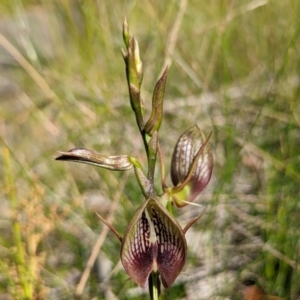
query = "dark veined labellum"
x=153 y=242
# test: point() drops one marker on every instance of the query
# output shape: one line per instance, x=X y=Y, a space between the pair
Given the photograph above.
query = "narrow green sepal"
x=134 y=75
x=152 y=153
x=111 y=227
x=135 y=66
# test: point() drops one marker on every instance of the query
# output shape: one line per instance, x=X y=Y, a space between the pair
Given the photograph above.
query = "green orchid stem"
x=154 y=286
x=152 y=154
x=162 y=167
x=134 y=75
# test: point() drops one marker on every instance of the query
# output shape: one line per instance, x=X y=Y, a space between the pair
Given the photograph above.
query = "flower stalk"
x=153 y=247
x=154 y=286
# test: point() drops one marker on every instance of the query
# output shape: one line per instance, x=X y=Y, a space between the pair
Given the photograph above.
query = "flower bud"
x=126 y=33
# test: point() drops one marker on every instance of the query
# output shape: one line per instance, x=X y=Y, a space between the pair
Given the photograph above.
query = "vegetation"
x=233 y=70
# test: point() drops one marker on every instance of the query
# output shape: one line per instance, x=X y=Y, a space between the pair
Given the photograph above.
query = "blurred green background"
x=234 y=70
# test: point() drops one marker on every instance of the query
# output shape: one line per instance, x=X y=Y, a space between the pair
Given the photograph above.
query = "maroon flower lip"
x=153 y=242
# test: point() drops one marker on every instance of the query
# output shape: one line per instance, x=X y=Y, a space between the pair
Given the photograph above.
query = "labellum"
x=153 y=242
x=191 y=166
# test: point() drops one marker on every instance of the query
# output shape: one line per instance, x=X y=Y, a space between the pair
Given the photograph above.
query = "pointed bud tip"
x=126 y=35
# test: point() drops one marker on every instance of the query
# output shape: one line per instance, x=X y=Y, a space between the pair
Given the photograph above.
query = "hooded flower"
x=153 y=242
x=191 y=166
